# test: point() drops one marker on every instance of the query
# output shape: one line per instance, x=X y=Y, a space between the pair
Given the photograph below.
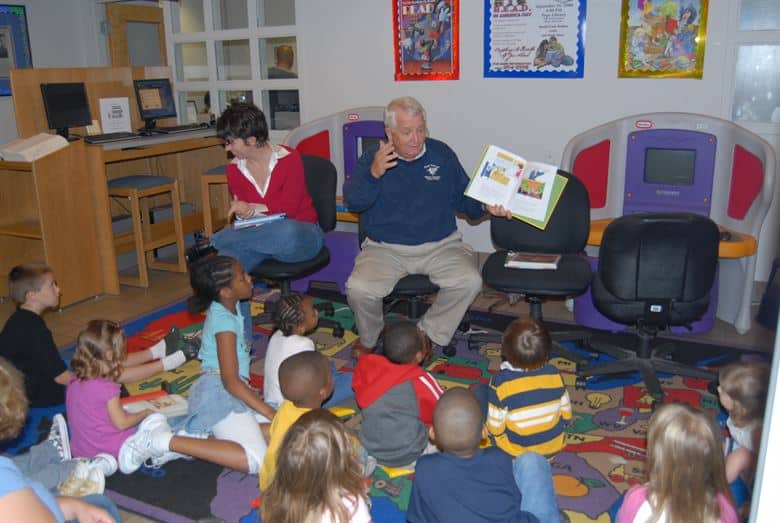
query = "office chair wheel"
x=449 y=350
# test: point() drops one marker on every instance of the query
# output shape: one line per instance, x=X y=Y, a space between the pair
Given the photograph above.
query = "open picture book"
x=170 y=405
x=530 y=190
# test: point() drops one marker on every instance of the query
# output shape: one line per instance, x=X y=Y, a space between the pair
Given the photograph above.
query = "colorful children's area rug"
x=604 y=454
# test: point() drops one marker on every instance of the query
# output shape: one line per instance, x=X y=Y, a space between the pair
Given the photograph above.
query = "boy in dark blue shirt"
x=466 y=483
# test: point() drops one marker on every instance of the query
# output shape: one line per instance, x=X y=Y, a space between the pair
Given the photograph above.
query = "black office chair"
x=320 y=175
x=412 y=291
x=566 y=234
x=655 y=270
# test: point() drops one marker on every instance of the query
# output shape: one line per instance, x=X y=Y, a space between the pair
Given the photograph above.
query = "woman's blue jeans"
x=284 y=240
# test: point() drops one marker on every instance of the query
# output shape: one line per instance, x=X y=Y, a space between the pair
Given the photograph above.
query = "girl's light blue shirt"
x=219 y=319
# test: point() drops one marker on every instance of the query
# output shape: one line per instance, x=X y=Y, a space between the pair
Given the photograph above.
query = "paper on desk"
x=115 y=115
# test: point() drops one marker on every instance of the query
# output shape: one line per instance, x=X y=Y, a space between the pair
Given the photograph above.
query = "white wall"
x=346 y=61
x=62 y=34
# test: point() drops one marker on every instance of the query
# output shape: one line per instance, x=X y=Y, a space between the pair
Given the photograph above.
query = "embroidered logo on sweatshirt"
x=432 y=169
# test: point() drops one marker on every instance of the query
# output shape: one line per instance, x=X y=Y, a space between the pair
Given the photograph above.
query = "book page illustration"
x=497 y=176
x=533 y=193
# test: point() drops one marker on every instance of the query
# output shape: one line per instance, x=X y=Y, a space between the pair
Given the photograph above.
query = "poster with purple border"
x=14 y=44
x=535 y=38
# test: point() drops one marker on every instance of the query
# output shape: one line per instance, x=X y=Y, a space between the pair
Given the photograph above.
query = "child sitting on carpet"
x=318 y=477
x=466 y=483
x=397 y=398
x=49 y=463
x=98 y=423
x=29 y=345
x=295 y=317
x=21 y=497
x=527 y=401
x=685 y=472
x=306 y=382
x=742 y=391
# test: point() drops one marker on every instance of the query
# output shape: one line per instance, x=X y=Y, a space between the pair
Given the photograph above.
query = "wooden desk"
x=183 y=156
x=48 y=214
x=742 y=245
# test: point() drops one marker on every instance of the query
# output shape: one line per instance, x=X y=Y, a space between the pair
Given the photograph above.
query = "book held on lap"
x=531 y=260
x=170 y=405
x=530 y=190
x=256 y=221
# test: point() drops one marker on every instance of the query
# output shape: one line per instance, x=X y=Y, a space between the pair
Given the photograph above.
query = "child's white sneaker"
x=159 y=461
x=83 y=481
x=58 y=436
x=103 y=461
x=140 y=446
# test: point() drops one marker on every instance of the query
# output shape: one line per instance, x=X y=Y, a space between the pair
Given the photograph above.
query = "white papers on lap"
x=256 y=221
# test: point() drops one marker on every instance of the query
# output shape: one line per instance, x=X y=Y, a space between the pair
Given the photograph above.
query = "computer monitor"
x=669 y=170
x=670 y=166
x=155 y=100
x=66 y=106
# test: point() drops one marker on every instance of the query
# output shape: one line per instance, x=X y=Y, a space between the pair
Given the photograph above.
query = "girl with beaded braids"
x=295 y=317
x=221 y=402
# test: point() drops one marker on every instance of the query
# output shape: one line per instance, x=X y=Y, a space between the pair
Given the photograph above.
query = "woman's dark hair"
x=242 y=120
x=208 y=276
x=289 y=313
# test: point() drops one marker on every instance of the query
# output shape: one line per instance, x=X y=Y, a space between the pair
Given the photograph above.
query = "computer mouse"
x=726 y=236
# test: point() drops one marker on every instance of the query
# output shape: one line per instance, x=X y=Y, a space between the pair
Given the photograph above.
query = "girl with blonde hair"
x=98 y=423
x=686 y=480
x=742 y=390
x=318 y=477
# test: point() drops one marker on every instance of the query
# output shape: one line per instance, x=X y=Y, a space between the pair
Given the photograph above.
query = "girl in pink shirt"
x=686 y=478
x=98 y=423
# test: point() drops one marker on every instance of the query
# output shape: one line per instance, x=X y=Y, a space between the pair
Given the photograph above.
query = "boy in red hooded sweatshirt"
x=397 y=398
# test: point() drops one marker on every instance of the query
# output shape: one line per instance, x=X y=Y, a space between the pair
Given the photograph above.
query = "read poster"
x=534 y=38
x=425 y=39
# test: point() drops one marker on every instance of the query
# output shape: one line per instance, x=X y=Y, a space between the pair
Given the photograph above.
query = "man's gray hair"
x=406 y=104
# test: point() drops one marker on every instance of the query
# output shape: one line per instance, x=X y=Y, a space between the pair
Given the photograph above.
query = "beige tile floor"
x=166 y=287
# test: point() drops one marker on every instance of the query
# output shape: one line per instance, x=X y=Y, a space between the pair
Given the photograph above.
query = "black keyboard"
x=109 y=137
x=179 y=128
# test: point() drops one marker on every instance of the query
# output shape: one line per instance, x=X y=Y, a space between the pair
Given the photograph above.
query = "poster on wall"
x=535 y=38
x=14 y=44
x=425 y=39
x=662 y=39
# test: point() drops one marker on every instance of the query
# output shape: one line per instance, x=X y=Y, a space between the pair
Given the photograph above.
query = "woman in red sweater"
x=264 y=178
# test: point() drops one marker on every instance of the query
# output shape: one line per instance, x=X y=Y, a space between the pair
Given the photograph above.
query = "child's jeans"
x=533 y=476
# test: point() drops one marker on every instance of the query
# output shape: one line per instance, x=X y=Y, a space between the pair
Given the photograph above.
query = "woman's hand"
x=239 y=209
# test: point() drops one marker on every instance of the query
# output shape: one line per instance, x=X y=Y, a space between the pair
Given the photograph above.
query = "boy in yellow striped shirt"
x=528 y=404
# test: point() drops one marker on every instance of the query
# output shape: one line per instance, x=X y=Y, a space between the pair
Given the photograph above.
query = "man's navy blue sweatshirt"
x=414 y=202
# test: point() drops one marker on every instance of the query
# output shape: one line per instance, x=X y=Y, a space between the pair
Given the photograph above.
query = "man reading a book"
x=407 y=191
